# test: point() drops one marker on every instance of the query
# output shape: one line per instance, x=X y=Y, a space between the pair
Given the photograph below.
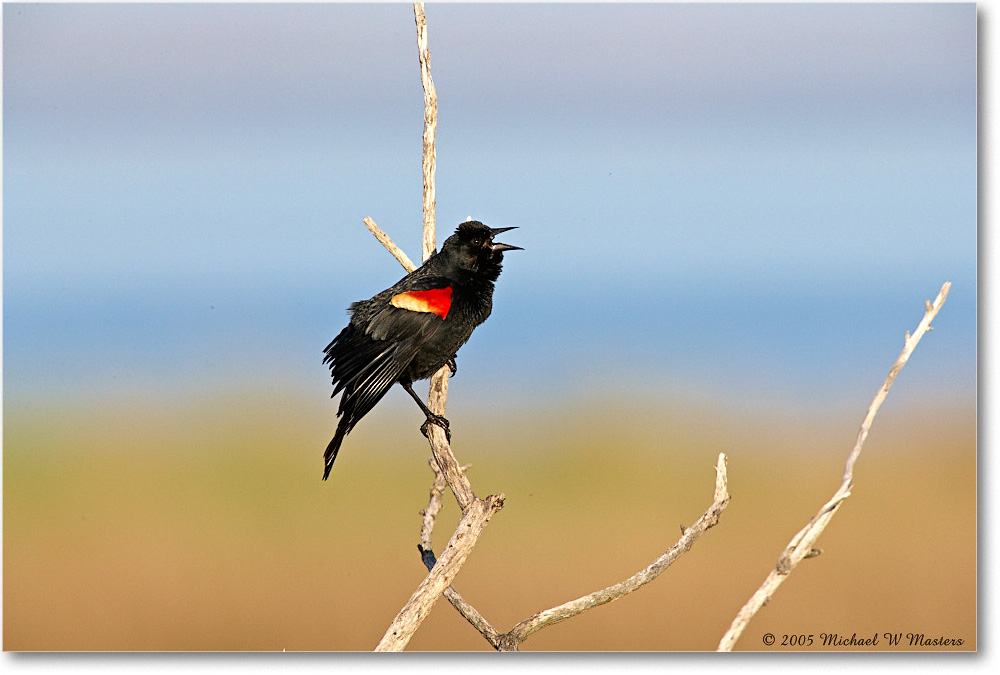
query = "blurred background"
x=731 y=215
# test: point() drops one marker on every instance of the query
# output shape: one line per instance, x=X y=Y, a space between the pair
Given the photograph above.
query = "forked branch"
x=474 y=519
x=511 y=640
x=476 y=512
x=425 y=547
x=801 y=545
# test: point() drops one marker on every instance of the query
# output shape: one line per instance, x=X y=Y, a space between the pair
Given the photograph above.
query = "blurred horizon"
x=753 y=199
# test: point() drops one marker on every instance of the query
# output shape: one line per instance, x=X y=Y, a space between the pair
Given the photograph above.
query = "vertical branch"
x=433 y=507
x=801 y=545
x=430 y=130
x=476 y=512
x=437 y=397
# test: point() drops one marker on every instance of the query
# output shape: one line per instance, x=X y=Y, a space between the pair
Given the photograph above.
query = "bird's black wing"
x=376 y=347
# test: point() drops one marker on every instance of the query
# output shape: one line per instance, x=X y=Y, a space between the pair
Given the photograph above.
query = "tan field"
x=204 y=525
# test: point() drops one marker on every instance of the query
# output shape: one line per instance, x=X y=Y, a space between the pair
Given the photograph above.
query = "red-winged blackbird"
x=407 y=332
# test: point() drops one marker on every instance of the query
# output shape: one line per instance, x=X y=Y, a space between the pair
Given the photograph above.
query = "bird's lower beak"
x=498 y=247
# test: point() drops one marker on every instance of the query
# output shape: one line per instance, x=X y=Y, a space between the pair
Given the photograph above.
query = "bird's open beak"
x=498 y=247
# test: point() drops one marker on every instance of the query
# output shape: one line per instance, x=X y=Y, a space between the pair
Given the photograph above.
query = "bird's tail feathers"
x=331 y=450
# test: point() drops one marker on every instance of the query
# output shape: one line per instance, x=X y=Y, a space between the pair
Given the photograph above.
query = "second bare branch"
x=801 y=545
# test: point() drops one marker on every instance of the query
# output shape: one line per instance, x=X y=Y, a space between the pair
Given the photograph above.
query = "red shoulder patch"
x=435 y=301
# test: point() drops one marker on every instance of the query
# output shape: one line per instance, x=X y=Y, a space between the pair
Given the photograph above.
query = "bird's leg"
x=431 y=417
x=452 y=366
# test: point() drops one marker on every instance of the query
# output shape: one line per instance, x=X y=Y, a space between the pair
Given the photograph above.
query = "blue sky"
x=748 y=200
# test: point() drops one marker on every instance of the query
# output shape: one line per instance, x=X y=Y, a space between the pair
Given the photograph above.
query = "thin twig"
x=801 y=545
x=433 y=505
x=396 y=252
x=513 y=638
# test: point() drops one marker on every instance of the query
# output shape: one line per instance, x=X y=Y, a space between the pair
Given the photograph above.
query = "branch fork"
x=476 y=512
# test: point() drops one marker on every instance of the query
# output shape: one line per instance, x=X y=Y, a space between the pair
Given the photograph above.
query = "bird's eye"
x=477 y=242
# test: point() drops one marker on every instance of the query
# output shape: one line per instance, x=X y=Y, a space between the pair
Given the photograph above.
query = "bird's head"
x=472 y=248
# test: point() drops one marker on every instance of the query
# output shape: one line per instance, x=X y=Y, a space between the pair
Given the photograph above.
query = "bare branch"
x=924 y=326
x=437 y=398
x=474 y=519
x=476 y=512
x=801 y=545
x=396 y=252
x=456 y=478
x=427 y=556
x=430 y=130
x=433 y=505
x=470 y=613
x=522 y=630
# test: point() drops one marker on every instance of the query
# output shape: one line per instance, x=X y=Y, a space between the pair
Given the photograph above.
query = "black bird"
x=407 y=332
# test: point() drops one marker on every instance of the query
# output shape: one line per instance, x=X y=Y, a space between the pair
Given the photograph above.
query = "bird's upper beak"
x=497 y=246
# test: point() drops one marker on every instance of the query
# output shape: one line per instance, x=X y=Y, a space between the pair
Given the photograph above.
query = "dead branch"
x=801 y=545
x=476 y=512
x=427 y=555
x=437 y=397
x=386 y=241
x=430 y=131
x=511 y=640
x=522 y=630
x=474 y=519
